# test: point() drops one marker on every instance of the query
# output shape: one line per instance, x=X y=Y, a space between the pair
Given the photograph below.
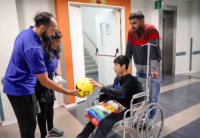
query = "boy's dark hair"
x=43 y=18
x=122 y=60
x=136 y=14
x=47 y=47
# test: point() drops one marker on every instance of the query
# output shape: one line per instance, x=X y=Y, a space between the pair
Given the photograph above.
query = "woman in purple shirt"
x=45 y=96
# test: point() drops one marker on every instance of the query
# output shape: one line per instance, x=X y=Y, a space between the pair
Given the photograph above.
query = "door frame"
x=174 y=9
x=122 y=19
x=62 y=17
x=122 y=34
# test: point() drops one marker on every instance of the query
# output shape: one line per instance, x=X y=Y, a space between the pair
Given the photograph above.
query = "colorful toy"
x=93 y=114
x=113 y=104
x=100 y=108
x=84 y=86
x=109 y=108
x=110 y=102
x=121 y=107
x=99 y=113
x=94 y=121
x=105 y=104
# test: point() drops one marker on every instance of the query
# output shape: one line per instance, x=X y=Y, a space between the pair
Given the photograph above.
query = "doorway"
x=169 y=41
x=105 y=40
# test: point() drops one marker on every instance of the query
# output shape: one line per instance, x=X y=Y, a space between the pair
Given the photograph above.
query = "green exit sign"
x=158 y=4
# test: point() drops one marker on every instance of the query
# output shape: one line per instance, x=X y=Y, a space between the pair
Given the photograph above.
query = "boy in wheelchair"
x=125 y=85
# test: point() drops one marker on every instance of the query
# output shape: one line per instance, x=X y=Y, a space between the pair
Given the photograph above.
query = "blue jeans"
x=154 y=91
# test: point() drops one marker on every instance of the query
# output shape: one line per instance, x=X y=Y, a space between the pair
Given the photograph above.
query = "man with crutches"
x=142 y=36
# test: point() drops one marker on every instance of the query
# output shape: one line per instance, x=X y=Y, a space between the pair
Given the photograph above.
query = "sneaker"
x=47 y=136
x=150 y=124
x=55 y=132
x=147 y=125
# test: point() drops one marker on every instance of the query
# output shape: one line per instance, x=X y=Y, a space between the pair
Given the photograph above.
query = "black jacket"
x=123 y=89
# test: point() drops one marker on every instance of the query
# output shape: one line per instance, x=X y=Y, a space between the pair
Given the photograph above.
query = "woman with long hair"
x=45 y=96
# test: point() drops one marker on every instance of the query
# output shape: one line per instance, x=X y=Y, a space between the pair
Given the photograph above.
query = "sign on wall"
x=158 y=4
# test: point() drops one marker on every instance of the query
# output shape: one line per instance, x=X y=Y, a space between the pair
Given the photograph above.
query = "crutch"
x=148 y=59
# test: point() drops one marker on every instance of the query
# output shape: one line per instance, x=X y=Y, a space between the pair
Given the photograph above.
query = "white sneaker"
x=147 y=125
x=150 y=124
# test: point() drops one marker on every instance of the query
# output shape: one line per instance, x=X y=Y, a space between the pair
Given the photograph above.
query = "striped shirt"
x=137 y=48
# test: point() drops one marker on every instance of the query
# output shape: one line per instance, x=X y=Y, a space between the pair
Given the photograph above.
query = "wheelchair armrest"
x=94 y=101
x=139 y=95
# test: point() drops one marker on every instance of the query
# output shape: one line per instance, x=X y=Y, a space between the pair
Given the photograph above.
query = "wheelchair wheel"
x=147 y=128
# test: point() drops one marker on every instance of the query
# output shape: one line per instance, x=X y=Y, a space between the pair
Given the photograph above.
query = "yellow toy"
x=109 y=108
x=84 y=86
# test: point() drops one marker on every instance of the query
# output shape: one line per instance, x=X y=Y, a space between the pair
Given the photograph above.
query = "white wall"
x=138 y=5
x=9 y=30
x=146 y=6
x=195 y=34
x=182 y=38
x=188 y=19
x=107 y=42
x=26 y=10
x=17 y=15
x=88 y=15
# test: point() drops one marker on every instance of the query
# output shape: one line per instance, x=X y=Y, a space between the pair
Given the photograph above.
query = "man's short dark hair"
x=136 y=14
x=122 y=60
x=43 y=18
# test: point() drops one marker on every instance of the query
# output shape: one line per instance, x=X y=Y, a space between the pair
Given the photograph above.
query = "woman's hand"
x=74 y=93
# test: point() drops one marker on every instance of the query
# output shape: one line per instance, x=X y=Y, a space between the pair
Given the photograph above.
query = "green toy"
x=99 y=113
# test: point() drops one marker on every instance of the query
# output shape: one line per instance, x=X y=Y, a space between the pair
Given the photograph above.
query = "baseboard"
x=4 y=123
x=58 y=105
x=193 y=71
x=187 y=72
x=181 y=73
x=70 y=105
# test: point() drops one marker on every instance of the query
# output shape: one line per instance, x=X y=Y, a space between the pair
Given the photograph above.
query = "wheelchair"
x=135 y=120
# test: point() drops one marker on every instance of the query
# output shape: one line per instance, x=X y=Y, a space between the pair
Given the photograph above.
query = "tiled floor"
x=179 y=98
x=178 y=93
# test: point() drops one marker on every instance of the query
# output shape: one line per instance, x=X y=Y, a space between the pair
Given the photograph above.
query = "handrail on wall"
x=97 y=48
x=106 y=55
x=2 y=80
x=1 y=105
x=89 y=38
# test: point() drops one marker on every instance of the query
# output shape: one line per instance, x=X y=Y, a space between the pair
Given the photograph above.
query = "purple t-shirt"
x=27 y=59
x=51 y=65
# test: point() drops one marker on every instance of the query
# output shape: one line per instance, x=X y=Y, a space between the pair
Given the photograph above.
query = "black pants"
x=45 y=116
x=25 y=110
x=105 y=126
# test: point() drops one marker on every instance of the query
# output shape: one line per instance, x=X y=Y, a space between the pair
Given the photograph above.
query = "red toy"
x=94 y=121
